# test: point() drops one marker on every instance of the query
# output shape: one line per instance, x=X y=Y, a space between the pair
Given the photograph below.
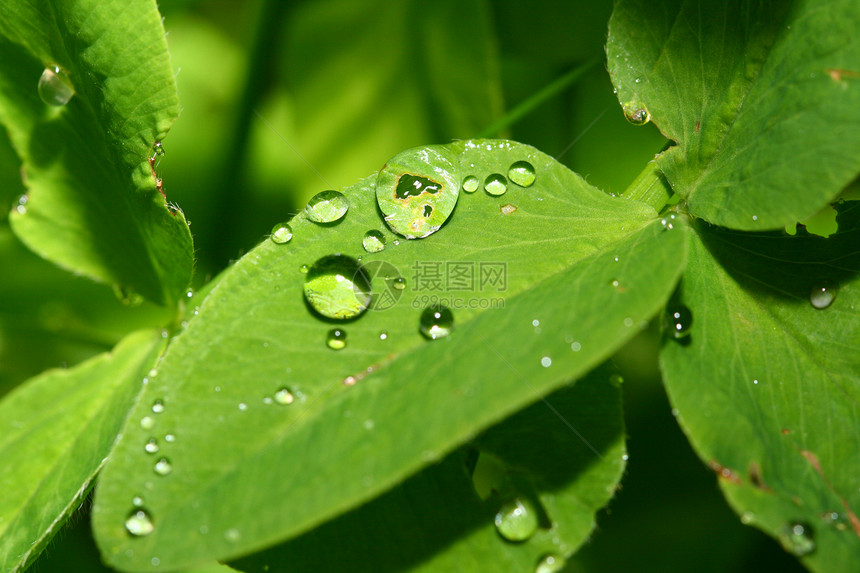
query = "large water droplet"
x=55 y=87
x=471 y=184
x=139 y=523
x=636 y=113
x=551 y=564
x=522 y=173
x=517 y=520
x=798 y=538
x=496 y=184
x=436 y=322
x=337 y=287
x=373 y=242
x=336 y=339
x=417 y=190
x=678 y=320
x=282 y=233
x=822 y=295
x=327 y=207
x=163 y=467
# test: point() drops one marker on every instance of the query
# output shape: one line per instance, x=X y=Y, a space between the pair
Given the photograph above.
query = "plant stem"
x=523 y=109
x=650 y=187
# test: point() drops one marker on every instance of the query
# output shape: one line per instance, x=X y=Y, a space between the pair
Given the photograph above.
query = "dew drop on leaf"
x=495 y=184
x=151 y=446
x=797 y=538
x=522 y=173
x=417 y=190
x=336 y=339
x=158 y=406
x=327 y=207
x=471 y=184
x=508 y=209
x=636 y=113
x=163 y=467
x=436 y=322
x=147 y=422
x=337 y=287
x=373 y=242
x=139 y=523
x=517 y=520
x=822 y=295
x=399 y=283
x=282 y=233
x=55 y=87
x=284 y=396
x=550 y=564
x=678 y=320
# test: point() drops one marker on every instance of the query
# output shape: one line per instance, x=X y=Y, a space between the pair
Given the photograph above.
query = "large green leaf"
x=767 y=386
x=762 y=99
x=92 y=205
x=546 y=453
x=55 y=433
x=582 y=273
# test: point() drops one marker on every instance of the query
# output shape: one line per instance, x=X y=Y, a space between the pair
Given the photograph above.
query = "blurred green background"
x=281 y=100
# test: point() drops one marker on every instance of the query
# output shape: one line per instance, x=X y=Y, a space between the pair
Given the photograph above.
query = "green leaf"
x=767 y=387
x=762 y=99
x=92 y=204
x=448 y=527
x=364 y=418
x=55 y=433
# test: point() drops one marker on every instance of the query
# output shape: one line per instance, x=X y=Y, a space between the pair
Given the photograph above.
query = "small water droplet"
x=436 y=322
x=822 y=295
x=155 y=561
x=55 y=87
x=636 y=113
x=575 y=346
x=21 y=208
x=336 y=339
x=798 y=538
x=546 y=361
x=147 y=422
x=327 y=207
x=614 y=283
x=303 y=269
x=496 y=184
x=550 y=564
x=383 y=335
x=373 y=242
x=678 y=320
x=284 y=396
x=399 y=283
x=139 y=523
x=151 y=446
x=747 y=517
x=508 y=209
x=522 y=173
x=137 y=501
x=337 y=287
x=755 y=217
x=471 y=184
x=163 y=467
x=170 y=438
x=517 y=520
x=232 y=535
x=282 y=233
x=835 y=519
x=158 y=406
x=243 y=406
x=157 y=151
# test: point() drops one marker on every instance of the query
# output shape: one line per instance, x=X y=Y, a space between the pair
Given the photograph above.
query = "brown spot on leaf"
x=724 y=472
x=837 y=75
x=755 y=477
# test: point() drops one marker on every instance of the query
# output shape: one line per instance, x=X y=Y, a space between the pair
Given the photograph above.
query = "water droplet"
x=546 y=361
x=155 y=561
x=373 y=242
x=303 y=269
x=282 y=233
x=336 y=339
x=399 y=283
x=575 y=346
x=835 y=519
x=55 y=87
x=517 y=520
x=157 y=151
x=147 y=422
x=550 y=564
x=163 y=467
x=151 y=446
x=636 y=113
x=797 y=538
x=436 y=322
x=522 y=173
x=139 y=523
x=383 y=335
x=471 y=184
x=243 y=406
x=21 y=208
x=747 y=517
x=508 y=208
x=417 y=190
x=158 y=406
x=327 y=207
x=496 y=184
x=232 y=535
x=284 y=396
x=822 y=295
x=169 y=438
x=337 y=287
x=678 y=320
x=614 y=283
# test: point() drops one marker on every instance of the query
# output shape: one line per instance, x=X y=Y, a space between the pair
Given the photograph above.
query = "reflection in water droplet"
x=550 y=564
x=436 y=322
x=284 y=396
x=139 y=523
x=147 y=422
x=471 y=184
x=336 y=339
x=399 y=283
x=282 y=233
x=337 y=287
x=636 y=113
x=798 y=538
x=373 y=242
x=678 y=320
x=822 y=295
x=496 y=184
x=327 y=207
x=158 y=406
x=151 y=446
x=55 y=87
x=522 y=173
x=517 y=520
x=163 y=467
